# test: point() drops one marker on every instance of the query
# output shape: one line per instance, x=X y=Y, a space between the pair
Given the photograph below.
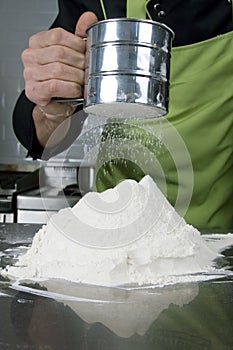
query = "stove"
x=55 y=187
x=8 y=189
x=38 y=205
x=33 y=197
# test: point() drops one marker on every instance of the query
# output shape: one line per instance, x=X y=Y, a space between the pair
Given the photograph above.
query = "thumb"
x=85 y=20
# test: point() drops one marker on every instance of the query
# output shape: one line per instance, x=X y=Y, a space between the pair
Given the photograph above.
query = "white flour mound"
x=166 y=251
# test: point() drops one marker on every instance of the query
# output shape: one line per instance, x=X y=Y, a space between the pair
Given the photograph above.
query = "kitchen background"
x=19 y=19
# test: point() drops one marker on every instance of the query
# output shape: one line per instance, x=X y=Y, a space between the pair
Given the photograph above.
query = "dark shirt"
x=191 y=20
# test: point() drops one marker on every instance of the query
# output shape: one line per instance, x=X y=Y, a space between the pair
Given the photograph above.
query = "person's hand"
x=54 y=63
x=54 y=66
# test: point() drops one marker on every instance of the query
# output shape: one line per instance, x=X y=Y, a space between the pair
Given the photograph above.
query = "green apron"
x=201 y=114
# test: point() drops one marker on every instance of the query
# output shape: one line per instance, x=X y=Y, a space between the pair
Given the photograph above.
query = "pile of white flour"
x=126 y=235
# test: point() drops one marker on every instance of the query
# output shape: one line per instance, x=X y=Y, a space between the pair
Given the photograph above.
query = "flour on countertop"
x=169 y=250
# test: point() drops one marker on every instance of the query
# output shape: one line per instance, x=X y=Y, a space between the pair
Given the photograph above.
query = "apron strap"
x=232 y=8
x=135 y=9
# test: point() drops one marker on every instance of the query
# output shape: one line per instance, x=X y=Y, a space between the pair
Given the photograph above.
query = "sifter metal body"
x=127 y=68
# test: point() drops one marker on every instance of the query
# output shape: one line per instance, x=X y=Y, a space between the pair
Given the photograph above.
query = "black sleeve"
x=24 y=128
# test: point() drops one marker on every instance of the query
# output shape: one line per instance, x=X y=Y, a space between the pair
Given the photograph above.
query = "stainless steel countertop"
x=12 y=232
x=186 y=316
